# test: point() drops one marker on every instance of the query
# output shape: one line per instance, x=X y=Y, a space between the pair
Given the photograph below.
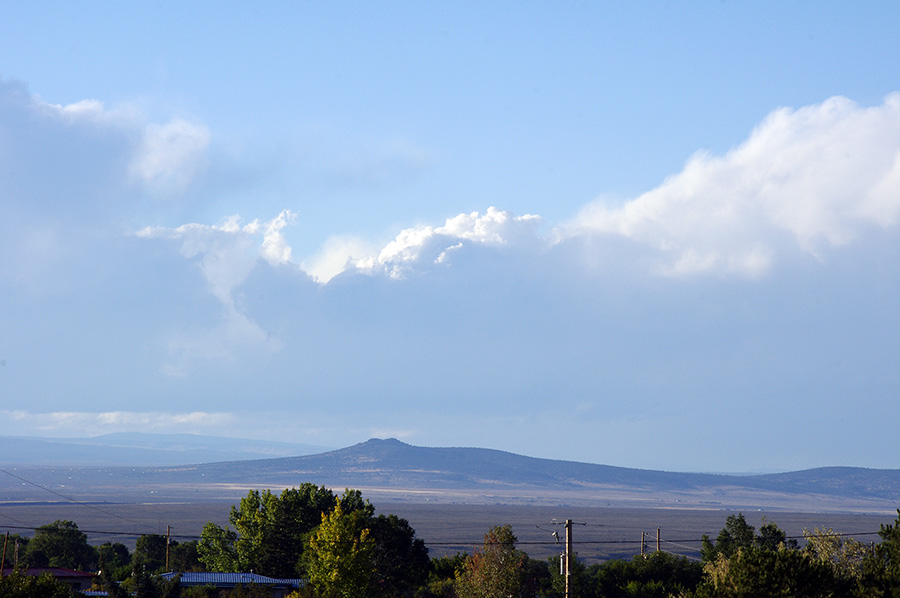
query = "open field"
x=608 y=532
x=452 y=496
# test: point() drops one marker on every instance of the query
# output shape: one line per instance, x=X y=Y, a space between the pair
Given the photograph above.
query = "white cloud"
x=89 y=111
x=62 y=423
x=812 y=178
x=338 y=254
x=423 y=245
x=494 y=228
x=163 y=157
x=275 y=248
x=170 y=155
x=227 y=253
x=82 y=109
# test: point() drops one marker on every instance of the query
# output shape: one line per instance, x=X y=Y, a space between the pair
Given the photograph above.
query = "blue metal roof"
x=191 y=578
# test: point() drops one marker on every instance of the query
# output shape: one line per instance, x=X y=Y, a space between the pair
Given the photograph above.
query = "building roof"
x=221 y=580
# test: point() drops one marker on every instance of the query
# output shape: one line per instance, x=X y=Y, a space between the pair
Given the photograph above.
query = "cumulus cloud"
x=83 y=109
x=170 y=155
x=809 y=179
x=423 y=245
x=274 y=248
x=338 y=254
x=108 y=146
x=226 y=255
x=162 y=156
x=228 y=251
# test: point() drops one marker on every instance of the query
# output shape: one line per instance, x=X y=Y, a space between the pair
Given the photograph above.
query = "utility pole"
x=566 y=563
x=657 y=539
x=642 y=543
x=3 y=558
x=568 y=558
x=168 y=531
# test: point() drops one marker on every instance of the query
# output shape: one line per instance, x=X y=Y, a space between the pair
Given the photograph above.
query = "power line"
x=451 y=544
x=70 y=499
x=435 y=544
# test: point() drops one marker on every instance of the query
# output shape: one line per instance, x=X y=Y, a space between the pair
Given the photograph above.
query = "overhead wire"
x=445 y=544
x=457 y=544
x=72 y=500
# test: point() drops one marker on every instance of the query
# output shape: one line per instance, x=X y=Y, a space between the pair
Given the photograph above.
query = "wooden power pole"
x=566 y=565
x=568 y=558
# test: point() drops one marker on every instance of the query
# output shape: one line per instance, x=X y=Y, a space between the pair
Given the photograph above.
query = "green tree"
x=111 y=584
x=557 y=577
x=61 y=544
x=738 y=534
x=497 y=569
x=143 y=584
x=442 y=572
x=783 y=573
x=845 y=555
x=401 y=560
x=216 y=548
x=881 y=566
x=183 y=556
x=658 y=574
x=11 y=542
x=340 y=557
x=150 y=552
x=771 y=537
x=18 y=585
x=114 y=560
x=446 y=567
x=270 y=530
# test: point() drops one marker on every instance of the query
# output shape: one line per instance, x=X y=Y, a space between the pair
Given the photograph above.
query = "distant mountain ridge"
x=395 y=470
x=393 y=461
x=395 y=464
x=141 y=449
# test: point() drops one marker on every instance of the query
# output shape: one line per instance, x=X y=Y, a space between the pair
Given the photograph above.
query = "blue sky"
x=657 y=234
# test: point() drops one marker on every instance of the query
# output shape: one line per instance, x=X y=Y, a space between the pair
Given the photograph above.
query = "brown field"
x=602 y=532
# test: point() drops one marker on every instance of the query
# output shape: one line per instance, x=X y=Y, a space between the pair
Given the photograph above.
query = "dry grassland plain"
x=455 y=523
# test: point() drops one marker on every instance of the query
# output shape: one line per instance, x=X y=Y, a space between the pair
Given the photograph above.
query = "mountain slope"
x=393 y=463
x=393 y=470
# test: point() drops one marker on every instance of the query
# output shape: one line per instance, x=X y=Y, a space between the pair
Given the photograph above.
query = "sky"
x=654 y=234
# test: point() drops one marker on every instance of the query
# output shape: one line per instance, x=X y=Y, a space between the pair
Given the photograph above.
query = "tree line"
x=340 y=548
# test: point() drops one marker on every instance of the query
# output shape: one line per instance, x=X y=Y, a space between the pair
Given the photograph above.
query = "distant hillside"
x=394 y=463
x=394 y=470
x=141 y=450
